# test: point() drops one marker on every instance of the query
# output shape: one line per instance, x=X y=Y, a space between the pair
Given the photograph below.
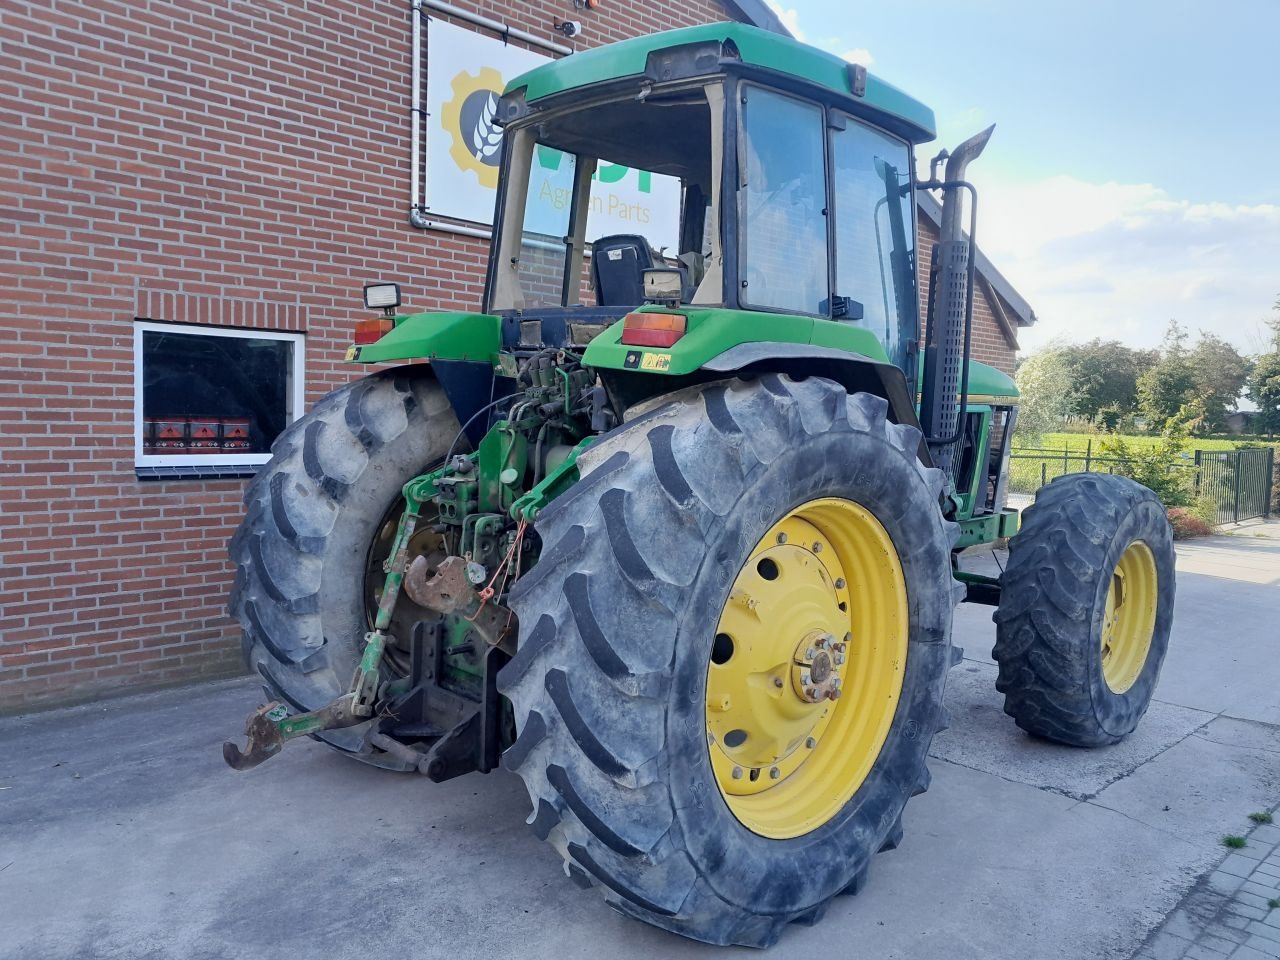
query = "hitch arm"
x=270 y=726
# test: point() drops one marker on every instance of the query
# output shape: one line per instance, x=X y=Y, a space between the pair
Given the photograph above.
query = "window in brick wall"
x=212 y=400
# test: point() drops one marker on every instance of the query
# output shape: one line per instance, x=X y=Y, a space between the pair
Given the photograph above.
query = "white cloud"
x=790 y=18
x=1120 y=260
x=859 y=55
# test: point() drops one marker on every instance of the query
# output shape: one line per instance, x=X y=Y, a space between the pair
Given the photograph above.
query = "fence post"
x=1197 y=484
x=1065 y=450
x=1043 y=481
x=1271 y=479
x=1236 y=462
x=1088 y=456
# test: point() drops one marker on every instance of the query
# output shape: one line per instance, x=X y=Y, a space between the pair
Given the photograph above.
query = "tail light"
x=652 y=329
x=371 y=331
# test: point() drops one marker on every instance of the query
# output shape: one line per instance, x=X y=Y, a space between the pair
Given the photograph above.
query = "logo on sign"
x=469 y=119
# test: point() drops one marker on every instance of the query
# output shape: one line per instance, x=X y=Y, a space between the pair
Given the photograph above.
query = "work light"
x=381 y=296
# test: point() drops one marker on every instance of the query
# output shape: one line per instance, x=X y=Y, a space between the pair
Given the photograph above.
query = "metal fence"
x=1238 y=481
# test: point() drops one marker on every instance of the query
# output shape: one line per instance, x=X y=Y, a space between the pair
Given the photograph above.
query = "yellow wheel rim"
x=806 y=668
x=1129 y=620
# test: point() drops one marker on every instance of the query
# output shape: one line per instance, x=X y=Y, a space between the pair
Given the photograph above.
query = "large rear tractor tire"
x=732 y=655
x=1085 y=611
x=316 y=516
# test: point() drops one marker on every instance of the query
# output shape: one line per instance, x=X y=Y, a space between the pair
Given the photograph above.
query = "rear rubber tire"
x=1052 y=599
x=311 y=514
x=617 y=620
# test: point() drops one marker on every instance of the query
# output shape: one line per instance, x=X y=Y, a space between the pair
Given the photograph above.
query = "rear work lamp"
x=652 y=329
x=381 y=296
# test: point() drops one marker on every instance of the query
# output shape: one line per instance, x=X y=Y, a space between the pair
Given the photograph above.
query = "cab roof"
x=751 y=46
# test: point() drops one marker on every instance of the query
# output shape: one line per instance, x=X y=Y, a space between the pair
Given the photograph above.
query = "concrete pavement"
x=122 y=835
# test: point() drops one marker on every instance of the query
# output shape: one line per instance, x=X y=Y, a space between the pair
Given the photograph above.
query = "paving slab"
x=983 y=737
x=1200 y=788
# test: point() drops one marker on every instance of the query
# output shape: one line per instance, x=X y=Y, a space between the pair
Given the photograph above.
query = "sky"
x=1134 y=173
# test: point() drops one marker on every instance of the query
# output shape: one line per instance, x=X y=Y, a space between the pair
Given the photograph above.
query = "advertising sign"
x=466 y=73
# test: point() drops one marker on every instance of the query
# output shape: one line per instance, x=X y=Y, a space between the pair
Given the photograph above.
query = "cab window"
x=875 y=235
x=784 y=200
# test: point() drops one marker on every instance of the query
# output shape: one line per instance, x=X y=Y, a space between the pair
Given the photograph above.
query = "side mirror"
x=846 y=308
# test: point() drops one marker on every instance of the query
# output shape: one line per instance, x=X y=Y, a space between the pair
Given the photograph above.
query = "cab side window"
x=784 y=263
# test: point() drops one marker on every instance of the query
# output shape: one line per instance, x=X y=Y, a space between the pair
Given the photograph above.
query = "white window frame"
x=296 y=391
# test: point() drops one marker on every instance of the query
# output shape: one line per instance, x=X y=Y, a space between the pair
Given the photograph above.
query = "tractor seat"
x=618 y=263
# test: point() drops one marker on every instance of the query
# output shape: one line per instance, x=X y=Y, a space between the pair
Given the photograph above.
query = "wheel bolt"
x=777 y=682
x=773 y=773
x=737 y=773
x=833 y=693
x=817 y=548
x=839 y=583
x=782 y=538
x=811 y=693
x=848 y=638
x=839 y=659
x=804 y=679
x=810 y=742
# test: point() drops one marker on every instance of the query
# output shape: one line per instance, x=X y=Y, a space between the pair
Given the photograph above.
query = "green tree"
x=1047 y=392
x=1220 y=374
x=1263 y=387
x=1165 y=387
x=1106 y=375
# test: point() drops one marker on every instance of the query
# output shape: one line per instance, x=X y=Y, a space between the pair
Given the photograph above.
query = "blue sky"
x=1134 y=175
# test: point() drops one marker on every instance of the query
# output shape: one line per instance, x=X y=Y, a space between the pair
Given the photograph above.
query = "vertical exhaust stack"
x=945 y=381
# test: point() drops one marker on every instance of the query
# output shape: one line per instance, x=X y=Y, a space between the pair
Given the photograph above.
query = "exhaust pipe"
x=949 y=328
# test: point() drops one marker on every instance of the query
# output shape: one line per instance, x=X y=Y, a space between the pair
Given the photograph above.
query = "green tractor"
x=674 y=534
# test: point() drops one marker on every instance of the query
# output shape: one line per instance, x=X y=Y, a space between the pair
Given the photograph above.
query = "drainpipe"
x=415 y=124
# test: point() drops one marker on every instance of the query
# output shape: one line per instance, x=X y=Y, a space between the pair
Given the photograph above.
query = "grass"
x=1233 y=842
x=1079 y=442
x=1262 y=817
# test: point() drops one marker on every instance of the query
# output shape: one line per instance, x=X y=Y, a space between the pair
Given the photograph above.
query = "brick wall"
x=239 y=163
x=989 y=342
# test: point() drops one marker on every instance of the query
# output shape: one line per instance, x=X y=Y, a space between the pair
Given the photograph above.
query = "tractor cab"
x=772 y=184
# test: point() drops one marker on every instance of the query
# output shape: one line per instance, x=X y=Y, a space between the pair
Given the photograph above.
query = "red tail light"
x=652 y=329
x=371 y=331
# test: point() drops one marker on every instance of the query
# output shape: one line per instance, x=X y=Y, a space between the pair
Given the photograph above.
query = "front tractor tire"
x=1085 y=610
x=315 y=516
x=728 y=560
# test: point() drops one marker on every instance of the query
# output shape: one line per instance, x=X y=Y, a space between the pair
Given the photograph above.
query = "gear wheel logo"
x=469 y=119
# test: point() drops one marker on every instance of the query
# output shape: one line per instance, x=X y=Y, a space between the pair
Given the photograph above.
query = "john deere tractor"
x=671 y=528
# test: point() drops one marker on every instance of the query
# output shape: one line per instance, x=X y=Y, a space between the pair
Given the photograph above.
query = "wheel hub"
x=795 y=713
x=815 y=669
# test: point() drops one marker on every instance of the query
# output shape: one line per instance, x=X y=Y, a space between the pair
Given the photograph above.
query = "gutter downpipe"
x=417 y=215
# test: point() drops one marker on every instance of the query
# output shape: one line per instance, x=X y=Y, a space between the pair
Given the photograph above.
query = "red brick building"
x=242 y=168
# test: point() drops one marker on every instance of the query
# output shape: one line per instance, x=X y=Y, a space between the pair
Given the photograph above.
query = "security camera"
x=570 y=28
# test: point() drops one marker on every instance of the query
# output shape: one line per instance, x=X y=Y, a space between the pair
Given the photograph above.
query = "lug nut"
x=782 y=538
x=777 y=682
x=839 y=659
x=811 y=693
x=737 y=773
x=839 y=583
x=833 y=693
x=848 y=638
x=810 y=742
x=817 y=548
x=804 y=679
x=773 y=773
